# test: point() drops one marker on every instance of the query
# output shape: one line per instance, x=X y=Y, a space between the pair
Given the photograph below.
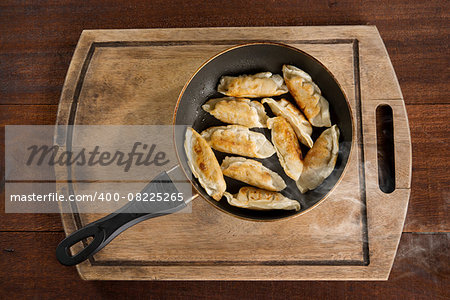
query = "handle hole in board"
x=385 y=148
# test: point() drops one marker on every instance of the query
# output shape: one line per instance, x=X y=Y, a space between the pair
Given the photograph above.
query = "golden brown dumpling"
x=252 y=172
x=258 y=85
x=257 y=199
x=307 y=95
x=239 y=111
x=204 y=165
x=239 y=140
x=287 y=146
x=287 y=110
x=320 y=160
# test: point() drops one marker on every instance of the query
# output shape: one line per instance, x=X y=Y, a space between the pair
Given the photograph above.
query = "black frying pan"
x=243 y=59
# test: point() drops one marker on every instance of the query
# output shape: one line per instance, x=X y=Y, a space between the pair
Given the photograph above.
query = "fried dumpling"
x=238 y=111
x=258 y=85
x=252 y=172
x=257 y=199
x=239 y=140
x=287 y=146
x=204 y=164
x=286 y=109
x=308 y=96
x=320 y=160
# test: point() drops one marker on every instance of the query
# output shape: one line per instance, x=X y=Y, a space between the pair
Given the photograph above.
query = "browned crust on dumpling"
x=232 y=142
x=287 y=146
x=239 y=140
x=263 y=84
x=320 y=160
x=252 y=172
x=239 y=111
x=258 y=199
x=303 y=94
x=307 y=95
x=294 y=116
x=204 y=164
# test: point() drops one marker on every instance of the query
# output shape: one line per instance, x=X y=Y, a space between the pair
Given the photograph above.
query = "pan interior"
x=250 y=59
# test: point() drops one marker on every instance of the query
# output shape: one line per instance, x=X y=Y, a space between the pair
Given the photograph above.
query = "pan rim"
x=212 y=201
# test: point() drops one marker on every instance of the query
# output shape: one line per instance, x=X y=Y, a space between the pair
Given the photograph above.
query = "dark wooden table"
x=37 y=41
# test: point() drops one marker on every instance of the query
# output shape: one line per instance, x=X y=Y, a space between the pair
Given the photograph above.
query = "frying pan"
x=241 y=59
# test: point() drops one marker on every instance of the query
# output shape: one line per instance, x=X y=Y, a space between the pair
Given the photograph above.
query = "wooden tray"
x=135 y=76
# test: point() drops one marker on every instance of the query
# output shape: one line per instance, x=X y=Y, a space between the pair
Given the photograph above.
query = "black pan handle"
x=63 y=252
x=104 y=230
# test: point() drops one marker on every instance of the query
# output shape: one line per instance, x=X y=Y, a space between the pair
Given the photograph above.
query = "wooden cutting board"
x=135 y=77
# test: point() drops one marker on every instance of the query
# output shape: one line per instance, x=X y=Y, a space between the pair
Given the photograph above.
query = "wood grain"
x=33 y=78
x=111 y=81
x=429 y=210
x=24 y=115
x=47 y=33
x=416 y=38
x=421 y=271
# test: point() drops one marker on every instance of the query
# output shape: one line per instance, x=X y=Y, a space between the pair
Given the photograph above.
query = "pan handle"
x=106 y=229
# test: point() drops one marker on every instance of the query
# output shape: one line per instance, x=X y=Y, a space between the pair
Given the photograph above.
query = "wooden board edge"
x=73 y=73
x=87 y=38
x=279 y=273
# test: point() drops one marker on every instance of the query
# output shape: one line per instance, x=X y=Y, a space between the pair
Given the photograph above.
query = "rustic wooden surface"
x=37 y=42
x=120 y=86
